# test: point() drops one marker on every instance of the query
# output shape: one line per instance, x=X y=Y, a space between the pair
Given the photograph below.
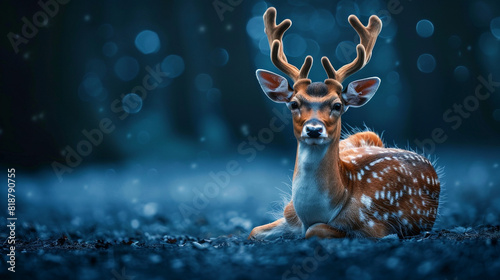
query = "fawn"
x=354 y=187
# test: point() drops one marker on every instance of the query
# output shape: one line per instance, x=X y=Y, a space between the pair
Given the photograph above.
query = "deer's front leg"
x=288 y=226
x=324 y=231
x=271 y=230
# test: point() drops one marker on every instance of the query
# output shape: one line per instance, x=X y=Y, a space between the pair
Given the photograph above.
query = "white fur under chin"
x=316 y=141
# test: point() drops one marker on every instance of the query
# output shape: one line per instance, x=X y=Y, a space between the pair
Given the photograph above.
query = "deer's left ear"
x=274 y=86
x=359 y=92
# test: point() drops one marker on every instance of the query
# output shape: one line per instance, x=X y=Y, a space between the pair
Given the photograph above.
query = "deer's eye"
x=337 y=107
x=293 y=105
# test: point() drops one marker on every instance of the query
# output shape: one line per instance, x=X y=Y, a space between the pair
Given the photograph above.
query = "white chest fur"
x=310 y=200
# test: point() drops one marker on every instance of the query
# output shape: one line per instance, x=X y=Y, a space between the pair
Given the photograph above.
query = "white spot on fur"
x=361 y=215
x=376 y=161
x=366 y=200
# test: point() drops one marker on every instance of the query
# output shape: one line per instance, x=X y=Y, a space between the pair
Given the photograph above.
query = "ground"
x=181 y=220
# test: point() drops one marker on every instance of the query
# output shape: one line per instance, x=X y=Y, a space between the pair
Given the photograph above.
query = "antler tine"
x=275 y=37
x=368 y=37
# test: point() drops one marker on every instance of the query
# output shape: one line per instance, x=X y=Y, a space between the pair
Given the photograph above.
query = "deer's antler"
x=368 y=35
x=275 y=37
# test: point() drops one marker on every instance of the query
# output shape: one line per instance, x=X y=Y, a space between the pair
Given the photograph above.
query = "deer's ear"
x=274 y=86
x=359 y=92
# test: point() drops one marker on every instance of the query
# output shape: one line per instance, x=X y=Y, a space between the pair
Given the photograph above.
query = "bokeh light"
x=109 y=49
x=219 y=57
x=461 y=73
x=481 y=13
x=495 y=27
x=259 y=8
x=369 y=7
x=173 y=66
x=295 y=45
x=389 y=30
x=345 y=8
x=346 y=51
x=147 y=42
x=132 y=103
x=322 y=22
x=425 y=28
x=203 y=82
x=264 y=46
x=496 y=115
x=214 y=95
x=150 y=209
x=126 y=68
x=301 y=18
x=312 y=47
x=426 y=63
x=384 y=60
x=91 y=88
x=92 y=84
x=488 y=44
x=255 y=27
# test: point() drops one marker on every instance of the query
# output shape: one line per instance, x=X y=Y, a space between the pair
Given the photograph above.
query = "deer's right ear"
x=274 y=86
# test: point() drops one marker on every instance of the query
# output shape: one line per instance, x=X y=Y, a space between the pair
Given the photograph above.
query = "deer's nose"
x=314 y=130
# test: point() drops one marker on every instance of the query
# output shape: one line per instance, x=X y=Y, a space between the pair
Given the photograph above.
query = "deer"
x=349 y=188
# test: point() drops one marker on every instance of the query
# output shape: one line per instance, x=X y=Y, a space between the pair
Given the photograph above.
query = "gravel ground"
x=141 y=221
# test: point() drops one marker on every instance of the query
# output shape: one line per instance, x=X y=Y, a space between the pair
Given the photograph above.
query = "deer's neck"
x=321 y=162
x=318 y=192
